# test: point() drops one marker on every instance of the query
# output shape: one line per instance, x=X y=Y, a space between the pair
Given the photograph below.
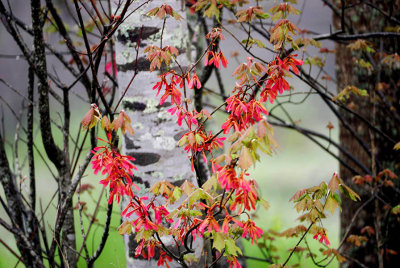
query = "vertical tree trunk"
x=381 y=112
x=156 y=131
x=58 y=157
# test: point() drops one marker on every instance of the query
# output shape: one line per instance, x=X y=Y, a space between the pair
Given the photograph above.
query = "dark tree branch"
x=61 y=28
x=310 y=133
x=346 y=37
x=103 y=237
x=31 y=160
x=205 y=74
x=14 y=207
x=59 y=158
x=19 y=258
x=221 y=86
x=52 y=50
x=307 y=133
x=311 y=82
x=17 y=38
x=53 y=152
x=61 y=210
x=257 y=259
x=314 y=84
x=387 y=15
x=324 y=148
x=24 y=243
x=337 y=12
x=95 y=86
x=298 y=243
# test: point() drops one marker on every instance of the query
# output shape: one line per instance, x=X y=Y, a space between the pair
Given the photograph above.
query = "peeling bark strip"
x=144 y=159
x=139 y=180
x=156 y=131
x=132 y=35
x=143 y=64
x=134 y=106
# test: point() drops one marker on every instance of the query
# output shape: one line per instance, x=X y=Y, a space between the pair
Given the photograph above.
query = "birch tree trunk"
x=156 y=131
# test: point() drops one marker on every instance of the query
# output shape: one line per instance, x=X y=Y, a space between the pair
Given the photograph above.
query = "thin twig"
x=298 y=243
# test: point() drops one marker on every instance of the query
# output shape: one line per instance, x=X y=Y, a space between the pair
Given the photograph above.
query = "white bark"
x=156 y=131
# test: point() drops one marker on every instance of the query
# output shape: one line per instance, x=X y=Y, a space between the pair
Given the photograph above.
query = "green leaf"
x=194 y=213
x=162 y=231
x=198 y=138
x=345 y=93
x=396 y=210
x=263 y=16
x=155 y=188
x=337 y=198
x=331 y=204
x=315 y=43
x=182 y=141
x=176 y=15
x=349 y=192
x=231 y=248
x=212 y=11
x=224 y=241
x=176 y=194
x=190 y=258
x=143 y=234
x=197 y=195
x=219 y=241
x=51 y=29
x=295 y=46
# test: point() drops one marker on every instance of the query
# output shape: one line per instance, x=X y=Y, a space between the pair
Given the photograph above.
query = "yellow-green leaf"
x=349 y=192
x=187 y=187
x=245 y=160
x=397 y=146
x=264 y=203
x=210 y=183
x=331 y=204
x=333 y=185
x=231 y=248
x=219 y=241
x=176 y=194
